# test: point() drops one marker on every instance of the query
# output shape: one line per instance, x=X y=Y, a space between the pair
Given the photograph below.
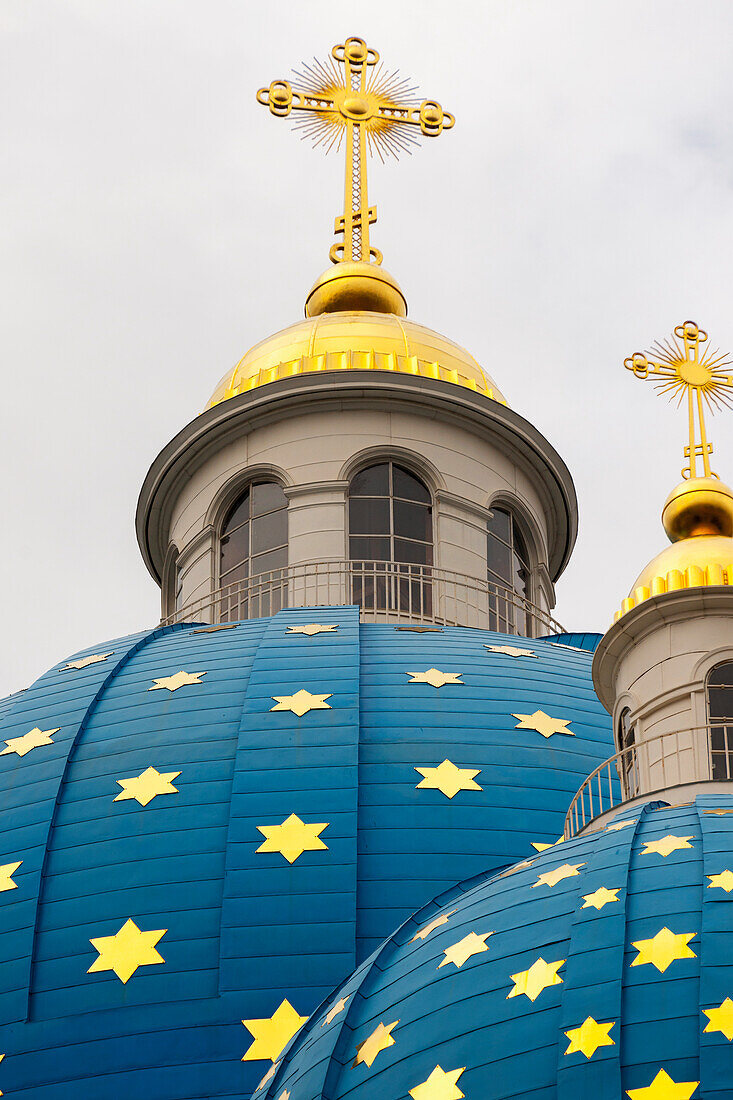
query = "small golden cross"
x=678 y=369
x=370 y=108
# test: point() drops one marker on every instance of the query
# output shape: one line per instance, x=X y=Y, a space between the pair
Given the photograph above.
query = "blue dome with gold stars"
x=601 y=968
x=205 y=826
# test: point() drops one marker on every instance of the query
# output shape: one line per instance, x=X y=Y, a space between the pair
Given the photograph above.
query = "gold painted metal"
x=600 y=897
x=551 y=878
x=352 y=100
x=269 y=1075
x=438 y=922
x=664 y=1088
x=84 y=662
x=663 y=949
x=214 y=629
x=721 y=1018
x=618 y=825
x=292 y=837
x=355 y=285
x=434 y=677
x=539 y=846
x=510 y=650
x=178 y=680
x=440 y=1085
x=301 y=702
x=127 y=950
x=31 y=740
x=7 y=870
x=517 y=867
x=540 y=976
x=379 y=1040
x=335 y=1010
x=422 y=629
x=448 y=779
x=722 y=881
x=271 y=1036
x=666 y=845
x=145 y=787
x=459 y=953
x=543 y=723
x=587 y=1038
x=309 y=629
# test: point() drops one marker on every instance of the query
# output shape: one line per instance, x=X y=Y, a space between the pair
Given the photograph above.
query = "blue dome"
x=153 y=898
x=601 y=970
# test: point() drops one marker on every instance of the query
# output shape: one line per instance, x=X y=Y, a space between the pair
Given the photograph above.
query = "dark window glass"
x=365 y=549
x=267 y=497
x=369 y=516
x=629 y=763
x=413 y=521
x=720 y=716
x=373 y=481
x=253 y=540
x=407 y=487
x=508 y=570
x=269 y=531
x=500 y=525
x=239 y=513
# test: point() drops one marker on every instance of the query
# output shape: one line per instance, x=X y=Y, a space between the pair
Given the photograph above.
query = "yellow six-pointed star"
x=292 y=837
x=435 y=677
x=600 y=897
x=616 y=826
x=540 y=976
x=379 y=1040
x=301 y=702
x=335 y=1010
x=436 y=923
x=721 y=1018
x=511 y=650
x=7 y=870
x=271 y=1036
x=664 y=949
x=666 y=845
x=543 y=723
x=127 y=950
x=449 y=779
x=440 y=1085
x=664 y=1088
x=84 y=662
x=146 y=786
x=31 y=740
x=722 y=881
x=551 y=878
x=587 y=1038
x=178 y=680
x=268 y=1076
x=310 y=629
x=461 y=952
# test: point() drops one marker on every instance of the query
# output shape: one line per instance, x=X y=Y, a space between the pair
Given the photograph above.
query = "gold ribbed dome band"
x=694 y=576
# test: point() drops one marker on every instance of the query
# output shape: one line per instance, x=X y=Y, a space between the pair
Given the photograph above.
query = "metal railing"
x=385 y=592
x=696 y=754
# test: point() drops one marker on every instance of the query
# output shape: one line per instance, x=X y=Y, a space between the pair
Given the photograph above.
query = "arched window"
x=391 y=540
x=508 y=567
x=629 y=766
x=719 y=691
x=253 y=553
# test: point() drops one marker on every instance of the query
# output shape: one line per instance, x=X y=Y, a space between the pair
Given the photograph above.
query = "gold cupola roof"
x=698 y=514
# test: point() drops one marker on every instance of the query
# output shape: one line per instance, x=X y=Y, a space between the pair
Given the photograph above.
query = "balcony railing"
x=385 y=592
x=697 y=754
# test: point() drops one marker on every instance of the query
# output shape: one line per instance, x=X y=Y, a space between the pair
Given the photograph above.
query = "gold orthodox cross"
x=679 y=369
x=351 y=96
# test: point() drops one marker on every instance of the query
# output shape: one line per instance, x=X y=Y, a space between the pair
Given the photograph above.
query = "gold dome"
x=355 y=340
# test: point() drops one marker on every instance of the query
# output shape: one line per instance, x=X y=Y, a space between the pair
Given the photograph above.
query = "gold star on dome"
x=127 y=950
x=719 y=812
x=271 y=1036
x=292 y=837
x=465 y=949
x=664 y=1088
x=7 y=870
x=335 y=1010
x=440 y=1085
x=722 y=881
x=551 y=878
x=517 y=867
x=663 y=949
x=511 y=650
x=587 y=1038
x=379 y=1040
x=284 y=1095
x=449 y=779
x=312 y=628
x=540 y=976
x=616 y=826
x=435 y=677
x=539 y=846
x=425 y=932
x=721 y=1018
x=84 y=662
x=269 y=1075
x=543 y=723
x=31 y=740
x=666 y=845
x=178 y=680
x=301 y=702
x=146 y=786
x=600 y=897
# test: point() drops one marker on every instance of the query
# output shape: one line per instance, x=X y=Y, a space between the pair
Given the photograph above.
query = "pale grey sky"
x=156 y=222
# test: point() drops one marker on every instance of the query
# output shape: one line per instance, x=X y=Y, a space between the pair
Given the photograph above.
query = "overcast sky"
x=156 y=222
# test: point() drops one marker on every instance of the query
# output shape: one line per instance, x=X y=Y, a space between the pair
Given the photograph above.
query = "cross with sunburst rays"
x=678 y=369
x=353 y=96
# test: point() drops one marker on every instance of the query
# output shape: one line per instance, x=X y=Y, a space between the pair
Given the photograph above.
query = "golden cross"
x=370 y=108
x=678 y=369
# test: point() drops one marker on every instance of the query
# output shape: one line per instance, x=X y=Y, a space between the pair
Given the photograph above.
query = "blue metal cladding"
x=246 y=929
x=509 y=1047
